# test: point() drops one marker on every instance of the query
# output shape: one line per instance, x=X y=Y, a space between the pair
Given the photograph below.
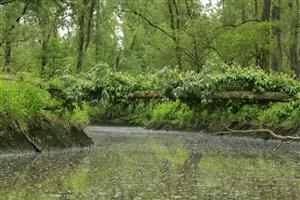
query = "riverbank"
x=26 y=123
x=280 y=117
x=170 y=99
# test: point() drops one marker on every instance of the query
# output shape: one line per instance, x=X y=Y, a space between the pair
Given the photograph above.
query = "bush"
x=22 y=100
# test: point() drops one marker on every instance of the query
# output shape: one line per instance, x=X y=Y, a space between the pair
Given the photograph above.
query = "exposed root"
x=29 y=140
x=16 y=126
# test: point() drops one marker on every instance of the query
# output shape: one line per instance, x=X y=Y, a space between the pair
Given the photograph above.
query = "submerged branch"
x=268 y=131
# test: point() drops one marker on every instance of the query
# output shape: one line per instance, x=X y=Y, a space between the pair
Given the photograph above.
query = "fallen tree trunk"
x=265 y=96
x=222 y=95
x=268 y=131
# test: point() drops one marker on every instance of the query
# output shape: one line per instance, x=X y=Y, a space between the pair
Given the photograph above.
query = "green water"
x=133 y=163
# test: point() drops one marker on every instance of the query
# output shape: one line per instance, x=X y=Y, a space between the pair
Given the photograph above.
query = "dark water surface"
x=133 y=163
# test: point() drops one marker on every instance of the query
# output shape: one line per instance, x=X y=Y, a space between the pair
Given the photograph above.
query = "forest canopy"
x=137 y=36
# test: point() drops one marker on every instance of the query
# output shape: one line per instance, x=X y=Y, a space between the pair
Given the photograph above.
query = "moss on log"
x=265 y=96
x=222 y=95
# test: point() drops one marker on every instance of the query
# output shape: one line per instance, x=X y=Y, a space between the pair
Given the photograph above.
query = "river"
x=135 y=163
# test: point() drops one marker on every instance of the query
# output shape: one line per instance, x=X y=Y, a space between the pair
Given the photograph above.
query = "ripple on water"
x=135 y=163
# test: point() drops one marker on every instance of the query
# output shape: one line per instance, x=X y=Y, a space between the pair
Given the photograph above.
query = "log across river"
x=221 y=95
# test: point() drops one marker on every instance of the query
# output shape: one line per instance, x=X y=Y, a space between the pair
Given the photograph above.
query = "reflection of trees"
x=121 y=172
x=188 y=178
x=120 y=168
x=27 y=175
x=165 y=179
x=183 y=180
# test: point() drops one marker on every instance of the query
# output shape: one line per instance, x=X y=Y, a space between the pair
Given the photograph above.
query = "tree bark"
x=222 y=95
x=90 y=24
x=265 y=56
x=277 y=53
x=193 y=16
x=97 y=33
x=175 y=26
x=8 y=42
x=257 y=53
x=44 y=57
x=7 y=55
x=85 y=24
x=294 y=11
x=81 y=37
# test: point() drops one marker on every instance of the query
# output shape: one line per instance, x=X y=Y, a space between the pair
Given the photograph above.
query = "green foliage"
x=25 y=101
x=276 y=113
x=247 y=113
x=79 y=115
x=22 y=101
x=172 y=114
x=108 y=93
x=222 y=77
x=103 y=84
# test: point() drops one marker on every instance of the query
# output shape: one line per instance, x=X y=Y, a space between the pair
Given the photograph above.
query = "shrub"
x=22 y=100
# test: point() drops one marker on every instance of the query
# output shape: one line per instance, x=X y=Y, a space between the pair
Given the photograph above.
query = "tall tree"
x=175 y=26
x=85 y=23
x=265 y=57
x=10 y=27
x=294 y=25
x=48 y=21
x=277 y=52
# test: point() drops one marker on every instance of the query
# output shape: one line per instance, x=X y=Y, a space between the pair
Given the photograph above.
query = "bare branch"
x=150 y=23
x=243 y=22
x=2 y=2
x=269 y=131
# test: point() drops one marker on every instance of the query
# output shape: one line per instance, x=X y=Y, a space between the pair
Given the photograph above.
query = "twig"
x=277 y=147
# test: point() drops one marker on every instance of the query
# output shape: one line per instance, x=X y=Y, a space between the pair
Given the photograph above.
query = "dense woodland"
x=43 y=36
x=187 y=64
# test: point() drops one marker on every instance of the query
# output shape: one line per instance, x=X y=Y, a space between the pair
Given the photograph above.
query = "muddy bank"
x=207 y=126
x=41 y=134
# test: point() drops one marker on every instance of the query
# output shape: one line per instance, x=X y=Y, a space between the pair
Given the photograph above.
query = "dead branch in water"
x=269 y=131
x=281 y=138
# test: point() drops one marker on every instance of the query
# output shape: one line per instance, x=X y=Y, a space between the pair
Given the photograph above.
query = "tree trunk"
x=8 y=42
x=85 y=28
x=221 y=95
x=89 y=24
x=7 y=55
x=265 y=56
x=294 y=62
x=118 y=58
x=257 y=53
x=193 y=16
x=175 y=26
x=277 y=53
x=97 y=34
x=44 y=59
x=81 y=37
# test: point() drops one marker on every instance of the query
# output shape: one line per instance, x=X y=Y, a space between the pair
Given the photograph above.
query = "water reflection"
x=133 y=164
